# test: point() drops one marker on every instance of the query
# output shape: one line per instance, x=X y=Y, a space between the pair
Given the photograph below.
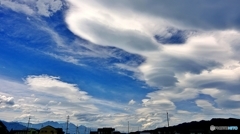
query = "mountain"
x=71 y=127
x=14 y=125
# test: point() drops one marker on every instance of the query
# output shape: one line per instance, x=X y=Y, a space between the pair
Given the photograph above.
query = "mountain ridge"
x=71 y=127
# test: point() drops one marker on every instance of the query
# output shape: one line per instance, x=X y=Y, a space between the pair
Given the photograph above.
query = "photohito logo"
x=212 y=127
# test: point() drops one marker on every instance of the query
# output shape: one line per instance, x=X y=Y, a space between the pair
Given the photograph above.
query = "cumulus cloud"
x=47 y=7
x=6 y=100
x=51 y=85
x=45 y=97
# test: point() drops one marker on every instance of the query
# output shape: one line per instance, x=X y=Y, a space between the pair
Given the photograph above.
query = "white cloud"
x=66 y=58
x=207 y=63
x=211 y=91
x=193 y=14
x=4 y=100
x=235 y=97
x=126 y=35
x=32 y=7
x=180 y=71
x=131 y=102
x=51 y=85
x=127 y=67
x=204 y=62
x=46 y=98
x=17 y=7
x=47 y=7
x=163 y=63
x=203 y=103
x=174 y=94
x=50 y=103
x=45 y=105
x=183 y=112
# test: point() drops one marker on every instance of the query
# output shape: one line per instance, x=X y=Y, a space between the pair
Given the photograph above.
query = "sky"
x=106 y=63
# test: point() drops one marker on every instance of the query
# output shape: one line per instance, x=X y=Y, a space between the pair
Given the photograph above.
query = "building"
x=3 y=128
x=33 y=131
x=18 y=132
x=106 y=130
x=29 y=131
x=93 y=132
x=116 y=132
x=51 y=130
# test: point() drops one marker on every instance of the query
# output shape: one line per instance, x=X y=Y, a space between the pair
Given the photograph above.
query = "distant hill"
x=72 y=128
x=203 y=126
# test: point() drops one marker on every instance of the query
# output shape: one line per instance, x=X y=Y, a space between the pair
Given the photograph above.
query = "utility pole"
x=28 y=123
x=167 y=119
x=128 y=127
x=77 y=131
x=67 y=124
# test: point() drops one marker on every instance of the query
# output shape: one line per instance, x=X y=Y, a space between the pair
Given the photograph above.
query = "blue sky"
x=104 y=63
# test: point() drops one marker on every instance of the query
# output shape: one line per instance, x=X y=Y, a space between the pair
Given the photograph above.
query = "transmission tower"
x=28 y=123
